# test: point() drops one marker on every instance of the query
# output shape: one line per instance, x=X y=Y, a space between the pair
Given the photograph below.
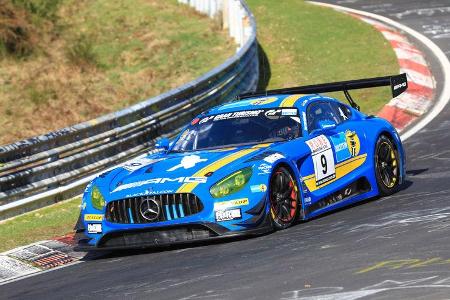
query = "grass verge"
x=45 y=223
x=308 y=44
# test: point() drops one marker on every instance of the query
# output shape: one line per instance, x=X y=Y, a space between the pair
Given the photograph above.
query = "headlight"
x=97 y=200
x=232 y=183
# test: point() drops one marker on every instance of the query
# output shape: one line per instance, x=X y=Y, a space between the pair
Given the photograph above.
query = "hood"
x=168 y=173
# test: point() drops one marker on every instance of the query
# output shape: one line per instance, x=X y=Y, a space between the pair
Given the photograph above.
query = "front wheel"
x=283 y=193
x=387 y=166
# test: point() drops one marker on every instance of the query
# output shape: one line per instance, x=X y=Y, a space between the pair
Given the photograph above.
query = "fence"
x=45 y=169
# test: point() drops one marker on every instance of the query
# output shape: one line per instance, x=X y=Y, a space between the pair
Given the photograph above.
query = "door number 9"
x=323 y=161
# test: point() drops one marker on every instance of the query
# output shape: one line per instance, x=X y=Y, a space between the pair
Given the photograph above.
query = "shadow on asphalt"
x=99 y=255
x=416 y=172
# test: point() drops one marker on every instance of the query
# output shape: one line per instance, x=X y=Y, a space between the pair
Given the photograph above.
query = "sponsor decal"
x=307 y=200
x=289 y=112
x=273 y=158
x=195 y=121
x=228 y=215
x=232 y=115
x=400 y=85
x=232 y=203
x=258 y=188
x=353 y=142
x=264 y=169
x=93 y=217
x=318 y=144
x=188 y=162
x=94 y=228
x=340 y=146
x=150 y=192
x=272 y=112
x=195 y=180
x=139 y=163
x=263 y=101
x=323 y=159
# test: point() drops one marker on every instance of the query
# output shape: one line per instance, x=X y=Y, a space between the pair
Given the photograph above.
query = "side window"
x=341 y=111
x=318 y=112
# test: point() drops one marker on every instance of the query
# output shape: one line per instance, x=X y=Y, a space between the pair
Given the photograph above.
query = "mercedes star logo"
x=150 y=209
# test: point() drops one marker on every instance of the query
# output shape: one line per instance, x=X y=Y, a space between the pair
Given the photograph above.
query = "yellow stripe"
x=188 y=187
x=342 y=169
x=290 y=100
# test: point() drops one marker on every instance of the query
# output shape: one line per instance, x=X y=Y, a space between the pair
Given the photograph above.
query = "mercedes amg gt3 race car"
x=248 y=167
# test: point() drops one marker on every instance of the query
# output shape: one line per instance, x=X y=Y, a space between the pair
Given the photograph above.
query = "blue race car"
x=248 y=167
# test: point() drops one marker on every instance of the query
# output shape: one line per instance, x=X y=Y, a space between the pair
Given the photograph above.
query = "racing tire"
x=284 y=198
x=387 y=166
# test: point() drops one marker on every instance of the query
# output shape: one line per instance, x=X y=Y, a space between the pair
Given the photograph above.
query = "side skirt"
x=358 y=187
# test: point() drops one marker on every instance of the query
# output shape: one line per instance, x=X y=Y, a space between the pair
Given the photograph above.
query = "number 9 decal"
x=323 y=159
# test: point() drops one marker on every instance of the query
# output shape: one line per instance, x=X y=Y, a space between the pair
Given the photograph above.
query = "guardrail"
x=46 y=169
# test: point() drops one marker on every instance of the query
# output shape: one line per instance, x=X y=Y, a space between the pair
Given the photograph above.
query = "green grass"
x=307 y=44
x=46 y=223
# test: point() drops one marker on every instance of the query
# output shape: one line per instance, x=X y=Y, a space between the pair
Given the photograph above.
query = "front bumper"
x=165 y=236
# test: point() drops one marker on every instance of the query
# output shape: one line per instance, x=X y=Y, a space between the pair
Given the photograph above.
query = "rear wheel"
x=387 y=166
x=284 y=204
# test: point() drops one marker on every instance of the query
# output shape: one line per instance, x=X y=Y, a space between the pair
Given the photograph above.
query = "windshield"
x=240 y=128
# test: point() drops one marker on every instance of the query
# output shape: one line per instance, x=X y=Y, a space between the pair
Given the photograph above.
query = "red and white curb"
x=37 y=257
x=418 y=98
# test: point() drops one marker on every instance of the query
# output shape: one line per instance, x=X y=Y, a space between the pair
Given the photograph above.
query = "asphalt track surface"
x=388 y=248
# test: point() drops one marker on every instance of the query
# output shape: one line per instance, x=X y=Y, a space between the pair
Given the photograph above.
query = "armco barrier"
x=45 y=169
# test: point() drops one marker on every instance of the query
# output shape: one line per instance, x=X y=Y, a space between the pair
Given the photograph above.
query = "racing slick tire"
x=284 y=198
x=387 y=166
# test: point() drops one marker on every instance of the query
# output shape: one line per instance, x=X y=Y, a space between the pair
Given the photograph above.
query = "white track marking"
x=394 y=37
x=444 y=97
x=419 y=78
x=405 y=54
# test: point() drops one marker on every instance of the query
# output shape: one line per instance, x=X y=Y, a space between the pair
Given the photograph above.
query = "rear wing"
x=398 y=83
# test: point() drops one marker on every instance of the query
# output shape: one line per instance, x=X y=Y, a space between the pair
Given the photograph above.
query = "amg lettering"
x=195 y=179
x=179 y=179
x=403 y=84
x=160 y=181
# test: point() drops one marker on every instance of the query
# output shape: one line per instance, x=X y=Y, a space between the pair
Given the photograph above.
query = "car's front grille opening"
x=155 y=208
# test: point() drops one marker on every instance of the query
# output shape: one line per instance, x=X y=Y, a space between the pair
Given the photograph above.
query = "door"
x=336 y=141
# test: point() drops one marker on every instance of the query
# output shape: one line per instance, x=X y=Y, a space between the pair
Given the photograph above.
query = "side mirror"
x=162 y=144
x=327 y=125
